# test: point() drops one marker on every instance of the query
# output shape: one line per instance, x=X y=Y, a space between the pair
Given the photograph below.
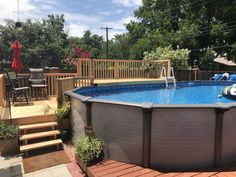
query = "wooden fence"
x=51 y=79
x=116 y=69
x=189 y=75
x=65 y=84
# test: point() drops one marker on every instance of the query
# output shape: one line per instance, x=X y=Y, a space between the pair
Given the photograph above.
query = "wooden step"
x=39 y=145
x=39 y=135
x=39 y=125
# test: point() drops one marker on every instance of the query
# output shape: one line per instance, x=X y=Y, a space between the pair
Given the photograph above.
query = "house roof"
x=224 y=61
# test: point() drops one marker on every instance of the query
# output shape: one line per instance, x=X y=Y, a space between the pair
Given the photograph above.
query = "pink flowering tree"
x=79 y=53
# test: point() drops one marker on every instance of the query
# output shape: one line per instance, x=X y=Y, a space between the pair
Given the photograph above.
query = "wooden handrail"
x=114 y=69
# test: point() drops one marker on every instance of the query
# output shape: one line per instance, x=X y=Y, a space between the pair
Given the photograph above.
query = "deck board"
x=111 y=168
x=34 y=108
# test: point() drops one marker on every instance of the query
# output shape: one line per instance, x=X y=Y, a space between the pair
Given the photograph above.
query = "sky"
x=80 y=15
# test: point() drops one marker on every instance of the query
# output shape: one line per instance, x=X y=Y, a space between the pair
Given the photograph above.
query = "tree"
x=119 y=47
x=43 y=41
x=196 y=25
x=89 y=42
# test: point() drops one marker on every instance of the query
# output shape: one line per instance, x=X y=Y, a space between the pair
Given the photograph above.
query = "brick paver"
x=13 y=167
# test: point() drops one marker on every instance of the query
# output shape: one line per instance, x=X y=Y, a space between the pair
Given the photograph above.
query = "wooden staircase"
x=45 y=134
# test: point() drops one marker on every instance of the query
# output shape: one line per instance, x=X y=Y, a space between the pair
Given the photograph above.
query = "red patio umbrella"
x=16 y=63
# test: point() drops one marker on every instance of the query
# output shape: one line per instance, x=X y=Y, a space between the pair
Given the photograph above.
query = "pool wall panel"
x=182 y=138
x=122 y=129
x=229 y=136
x=78 y=117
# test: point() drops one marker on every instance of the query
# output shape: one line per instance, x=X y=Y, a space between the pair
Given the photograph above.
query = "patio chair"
x=37 y=82
x=216 y=77
x=219 y=77
x=17 y=92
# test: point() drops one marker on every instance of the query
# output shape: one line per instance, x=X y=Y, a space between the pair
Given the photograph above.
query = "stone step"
x=38 y=125
x=39 y=135
x=29 y=147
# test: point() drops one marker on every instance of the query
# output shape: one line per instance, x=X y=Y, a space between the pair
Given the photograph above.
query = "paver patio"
x=12 y=167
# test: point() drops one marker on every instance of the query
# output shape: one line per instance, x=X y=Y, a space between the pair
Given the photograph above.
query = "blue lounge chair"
x=219 y=77
x=232 y=77
x=216 y=77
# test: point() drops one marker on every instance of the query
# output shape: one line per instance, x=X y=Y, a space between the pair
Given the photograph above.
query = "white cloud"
x=8 y=9
x=76 y=29
x=76 y=23
x=128 y=3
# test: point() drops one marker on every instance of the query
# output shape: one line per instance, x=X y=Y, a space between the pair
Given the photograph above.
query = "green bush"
x=8 y=131
x=61 y=112
x=178 y=57
x=89 y=148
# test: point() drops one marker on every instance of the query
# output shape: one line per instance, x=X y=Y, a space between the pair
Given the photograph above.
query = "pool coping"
x=149 y=105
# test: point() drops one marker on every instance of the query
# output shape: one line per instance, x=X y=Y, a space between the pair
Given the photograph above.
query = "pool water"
x=199 y=94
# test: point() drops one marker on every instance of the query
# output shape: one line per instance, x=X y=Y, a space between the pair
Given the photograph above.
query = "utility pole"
x=106 y=28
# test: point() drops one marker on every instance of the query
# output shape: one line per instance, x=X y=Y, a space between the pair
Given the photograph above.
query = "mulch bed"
x=39 y=162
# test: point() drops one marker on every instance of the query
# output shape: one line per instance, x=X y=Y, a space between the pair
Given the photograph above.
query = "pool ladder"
x=171 y=77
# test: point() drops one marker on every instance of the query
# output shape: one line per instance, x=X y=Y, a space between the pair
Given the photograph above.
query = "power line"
x=107 y=29
x=216 y=47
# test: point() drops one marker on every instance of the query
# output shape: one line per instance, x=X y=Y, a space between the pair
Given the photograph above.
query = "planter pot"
x=92 y=162
x=9 y=146
x=65 y=136
x=64 y=124
x=84 y=167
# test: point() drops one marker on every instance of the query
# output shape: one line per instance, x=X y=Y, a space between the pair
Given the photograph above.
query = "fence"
x=65 y=84
x=188 y=75
x=116 y=69
x=51 y=79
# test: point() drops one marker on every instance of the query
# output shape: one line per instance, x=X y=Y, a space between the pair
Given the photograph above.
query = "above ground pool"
x=189 y=126
x=183 y=93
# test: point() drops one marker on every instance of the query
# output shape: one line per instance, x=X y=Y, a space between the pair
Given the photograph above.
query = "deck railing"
x=65 y=84
x=115 y=69
x=51 y=78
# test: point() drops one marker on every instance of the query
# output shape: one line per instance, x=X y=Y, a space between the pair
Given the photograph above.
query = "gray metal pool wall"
x=159 y=136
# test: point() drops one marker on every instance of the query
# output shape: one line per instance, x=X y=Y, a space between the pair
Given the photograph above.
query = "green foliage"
x=196 y=26
x=178 y=57
x=43 y=41
x=61 y=113
x=88 y=148
x=206 y=61
x=119 y=47
x=8 y=131
x=89 y=42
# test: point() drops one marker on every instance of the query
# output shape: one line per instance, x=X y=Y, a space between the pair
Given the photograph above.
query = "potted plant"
x=89 y=150
x=8 y=139
x=63 y=118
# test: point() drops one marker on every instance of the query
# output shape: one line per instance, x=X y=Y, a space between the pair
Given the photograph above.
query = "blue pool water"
x=188 y=93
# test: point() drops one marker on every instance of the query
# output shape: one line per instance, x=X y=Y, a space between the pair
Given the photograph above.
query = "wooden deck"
x=111 y=168
x=35 y=108
x=124 y=81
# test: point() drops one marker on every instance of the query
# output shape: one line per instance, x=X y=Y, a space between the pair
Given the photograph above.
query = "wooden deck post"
x=116 y=69
x=79 y=68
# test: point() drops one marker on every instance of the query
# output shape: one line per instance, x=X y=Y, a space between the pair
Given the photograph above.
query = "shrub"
x=61 y=112
x=178 y=57
x=7 y=131
x=89 y=148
